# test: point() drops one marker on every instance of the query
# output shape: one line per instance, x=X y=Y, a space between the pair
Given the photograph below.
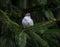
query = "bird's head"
x=28 y=14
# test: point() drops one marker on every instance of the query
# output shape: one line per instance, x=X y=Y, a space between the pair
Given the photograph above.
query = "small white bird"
x=27 y=21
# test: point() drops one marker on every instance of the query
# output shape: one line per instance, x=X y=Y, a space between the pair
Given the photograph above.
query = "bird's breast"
x=27 y=22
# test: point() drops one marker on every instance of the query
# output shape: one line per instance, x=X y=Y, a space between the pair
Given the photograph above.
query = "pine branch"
x=5 y=19
x=39 y=39
x=39 y=25
x=22 y=39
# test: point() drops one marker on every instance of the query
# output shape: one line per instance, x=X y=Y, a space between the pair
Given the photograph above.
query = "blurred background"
x=46 y=29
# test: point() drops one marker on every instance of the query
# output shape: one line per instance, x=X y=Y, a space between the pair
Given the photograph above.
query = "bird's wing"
x=31 y=22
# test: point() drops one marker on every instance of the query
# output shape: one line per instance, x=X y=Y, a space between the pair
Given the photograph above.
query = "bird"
x=27 y=21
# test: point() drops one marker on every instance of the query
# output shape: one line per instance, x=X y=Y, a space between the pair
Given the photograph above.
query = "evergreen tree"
x=44 y=33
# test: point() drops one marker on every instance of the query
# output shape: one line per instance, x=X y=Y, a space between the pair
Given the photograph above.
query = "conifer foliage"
x=44 y=33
